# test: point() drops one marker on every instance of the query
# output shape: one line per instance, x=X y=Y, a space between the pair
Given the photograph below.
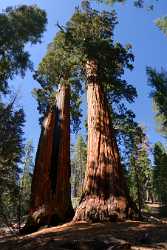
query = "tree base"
x=95 y=209
x=41 y=218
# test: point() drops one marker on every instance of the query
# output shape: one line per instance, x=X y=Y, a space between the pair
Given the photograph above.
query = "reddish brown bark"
x=51 y=193
x=104 y=197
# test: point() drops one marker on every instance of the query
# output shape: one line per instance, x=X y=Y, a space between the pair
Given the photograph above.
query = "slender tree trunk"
x=139 y=195
x=51 y=191
x=104 y=197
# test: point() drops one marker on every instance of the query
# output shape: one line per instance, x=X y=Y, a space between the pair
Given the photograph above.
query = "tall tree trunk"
x=104 y=197
x=139 y=193
x=51 y=191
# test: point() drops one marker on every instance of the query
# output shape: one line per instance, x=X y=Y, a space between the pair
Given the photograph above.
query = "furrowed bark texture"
x=104 y=197
x=51 y=191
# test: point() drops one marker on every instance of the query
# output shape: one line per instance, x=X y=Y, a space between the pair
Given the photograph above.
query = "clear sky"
x=136 y=26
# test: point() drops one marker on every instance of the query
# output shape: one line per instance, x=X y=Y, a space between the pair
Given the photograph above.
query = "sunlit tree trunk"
x=51 y=191
x=104 y=197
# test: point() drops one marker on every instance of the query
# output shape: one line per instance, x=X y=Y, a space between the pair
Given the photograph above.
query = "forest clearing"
x=83 y=153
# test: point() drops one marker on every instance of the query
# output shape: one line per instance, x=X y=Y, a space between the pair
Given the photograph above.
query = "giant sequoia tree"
x=51 y=193
x=90 y=33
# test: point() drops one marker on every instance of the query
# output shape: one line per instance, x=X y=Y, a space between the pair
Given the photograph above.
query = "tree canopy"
x=162 y=24
x=58 y=67
x=158 y=82
x=19 y=26
x=137 y=3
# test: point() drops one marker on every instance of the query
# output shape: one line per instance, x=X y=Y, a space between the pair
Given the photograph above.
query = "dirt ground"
x=134 y=235
x=98 y=236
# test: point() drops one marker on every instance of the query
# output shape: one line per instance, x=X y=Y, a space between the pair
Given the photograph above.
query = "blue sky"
x=136 y=26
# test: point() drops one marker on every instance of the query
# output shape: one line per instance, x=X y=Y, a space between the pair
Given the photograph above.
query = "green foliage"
x=78 y=167
x=111 y=1
x=87 y=35
x=11 y=151
x=158 y=82
x=90 y=34
x=162 y=24
x=137 y=3
x=160 y=172
x=19 y=26
x=126 y=130
x=59 y=66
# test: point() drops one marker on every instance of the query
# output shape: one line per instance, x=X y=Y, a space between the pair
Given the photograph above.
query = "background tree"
x=78 y=167
x=160 y=22
x=19 y=26
x=160 y=172
x=140 y=172
x=126 y=129
x=11 y=144
x=26 y=179
x=158 y=82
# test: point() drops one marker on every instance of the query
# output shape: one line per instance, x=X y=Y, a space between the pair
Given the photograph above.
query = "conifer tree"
x=58 y=100
x=19 y=26
x=91 y=34
x=11 y=152
x=78 y=167
x=160 y=172
x=158 y=82
x=140 y=172
x=26 y=179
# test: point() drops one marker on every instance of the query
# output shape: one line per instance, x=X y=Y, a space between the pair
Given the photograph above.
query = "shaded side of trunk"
x=104 y=197
x=62 y=193
x=41 y=182
x=50 y=196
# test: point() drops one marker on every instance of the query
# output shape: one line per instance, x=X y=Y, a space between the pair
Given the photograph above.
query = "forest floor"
x=135 y=235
